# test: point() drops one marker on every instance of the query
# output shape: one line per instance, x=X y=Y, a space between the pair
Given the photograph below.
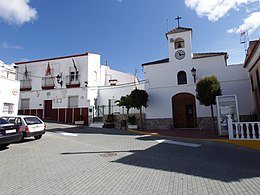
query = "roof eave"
x=49 y=59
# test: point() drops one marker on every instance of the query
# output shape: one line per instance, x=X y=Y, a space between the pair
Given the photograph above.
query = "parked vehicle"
x=9 y=133
x=32 y=126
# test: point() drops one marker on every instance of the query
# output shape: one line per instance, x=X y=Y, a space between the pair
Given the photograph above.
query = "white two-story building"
x=172 y=84
x=70 y=88
x=9 y=90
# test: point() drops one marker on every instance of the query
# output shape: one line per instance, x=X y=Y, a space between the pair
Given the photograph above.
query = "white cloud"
x=17 y=11
x=216 y=9
x=8 y=46
x=251 y=24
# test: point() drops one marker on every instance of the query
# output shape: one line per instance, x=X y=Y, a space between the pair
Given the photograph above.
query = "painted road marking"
x=140 y=136
x=178 y=143
x=67 y=134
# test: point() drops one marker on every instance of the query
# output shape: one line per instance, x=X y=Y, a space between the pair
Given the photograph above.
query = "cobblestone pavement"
x=108 y=161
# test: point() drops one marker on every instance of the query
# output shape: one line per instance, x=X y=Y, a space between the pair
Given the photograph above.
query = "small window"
x=113 y=82
x=8 y=108
x=25 y=103
x=74 y=76
x=73 y=101
x=182 y=78
x=179 y=43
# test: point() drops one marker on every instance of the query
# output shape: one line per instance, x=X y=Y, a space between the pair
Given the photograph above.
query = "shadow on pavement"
x=2 y=148
x=25 y=140
x=220 y=162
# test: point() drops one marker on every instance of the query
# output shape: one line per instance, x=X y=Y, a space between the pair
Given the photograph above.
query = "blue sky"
x=126 y=33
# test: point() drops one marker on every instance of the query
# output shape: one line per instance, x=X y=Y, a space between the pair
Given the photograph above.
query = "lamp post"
x=193 y=73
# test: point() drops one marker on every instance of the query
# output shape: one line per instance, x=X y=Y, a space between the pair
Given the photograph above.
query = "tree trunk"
x=212 y=117
x=141 y=119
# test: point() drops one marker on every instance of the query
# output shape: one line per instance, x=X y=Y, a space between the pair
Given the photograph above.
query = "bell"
x=179 y=45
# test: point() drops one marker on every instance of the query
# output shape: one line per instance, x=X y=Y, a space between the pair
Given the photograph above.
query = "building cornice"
x=166 y=60
x=251 y=54
x=49 y=59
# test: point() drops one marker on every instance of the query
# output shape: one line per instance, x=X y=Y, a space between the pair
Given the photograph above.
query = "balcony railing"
x=73 y=81
x=243 y=130
x=48 y=82
x=26 y=85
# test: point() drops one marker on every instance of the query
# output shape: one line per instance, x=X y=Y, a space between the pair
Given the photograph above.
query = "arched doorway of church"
x=184 y=110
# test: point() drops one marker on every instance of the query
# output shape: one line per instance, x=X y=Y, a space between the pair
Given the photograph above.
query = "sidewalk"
x=199 y=134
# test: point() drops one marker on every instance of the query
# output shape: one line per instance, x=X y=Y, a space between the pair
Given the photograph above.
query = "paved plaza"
x=82 y=160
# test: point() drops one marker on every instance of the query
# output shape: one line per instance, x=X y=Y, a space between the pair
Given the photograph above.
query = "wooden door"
x=48 y=109
x=183 y=108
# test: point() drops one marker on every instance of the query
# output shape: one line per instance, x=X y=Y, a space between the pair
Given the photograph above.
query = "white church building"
x=171 y=84
x=71 y=88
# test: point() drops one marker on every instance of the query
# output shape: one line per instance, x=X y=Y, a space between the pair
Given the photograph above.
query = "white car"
x=32 y=126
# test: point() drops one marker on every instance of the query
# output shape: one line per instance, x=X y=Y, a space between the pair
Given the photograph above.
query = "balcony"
x=26 y=85
x=73 y=81
x=48 y=83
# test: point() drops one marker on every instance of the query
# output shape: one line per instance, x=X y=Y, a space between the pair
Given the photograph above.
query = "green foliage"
x=207 y=89
x=124 y=101
x=139 y=98
x=131 y=120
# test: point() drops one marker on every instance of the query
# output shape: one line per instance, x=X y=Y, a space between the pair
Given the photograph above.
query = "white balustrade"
x=243 y=130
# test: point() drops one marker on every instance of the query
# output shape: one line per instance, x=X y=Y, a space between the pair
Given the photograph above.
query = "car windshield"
x=3 y=121
x=32 y=120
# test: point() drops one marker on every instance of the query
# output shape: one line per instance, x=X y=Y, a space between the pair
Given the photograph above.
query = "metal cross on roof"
x=178 y=18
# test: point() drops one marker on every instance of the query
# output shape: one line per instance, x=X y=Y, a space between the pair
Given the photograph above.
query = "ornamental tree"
x=124 y=101
x=206 y=91
x=139 y=99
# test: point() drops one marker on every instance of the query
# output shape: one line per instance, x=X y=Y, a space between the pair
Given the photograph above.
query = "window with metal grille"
x=8 y=108
x=73 y=101
x=25 y=103
x=182 y=78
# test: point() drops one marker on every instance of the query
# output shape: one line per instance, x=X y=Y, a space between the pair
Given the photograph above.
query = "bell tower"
x=179 y=43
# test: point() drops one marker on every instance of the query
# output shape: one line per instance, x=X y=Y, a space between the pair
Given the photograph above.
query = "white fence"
x=243 y=130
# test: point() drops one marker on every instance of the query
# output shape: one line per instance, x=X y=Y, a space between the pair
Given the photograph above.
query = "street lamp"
x=193 y=73
x=59 y=80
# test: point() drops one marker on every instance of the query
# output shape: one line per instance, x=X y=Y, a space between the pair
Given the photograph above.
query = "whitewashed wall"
x=9 y=89
x=188 y=46
x=125 y=84
x=234 y=80
x=59 y=95
x=97 y=76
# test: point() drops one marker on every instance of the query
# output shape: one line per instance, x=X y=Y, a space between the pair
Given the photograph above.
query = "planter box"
x=79 y=122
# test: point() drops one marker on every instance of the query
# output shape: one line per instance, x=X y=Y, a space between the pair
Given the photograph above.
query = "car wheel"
x=23 y=136
x=38 y=136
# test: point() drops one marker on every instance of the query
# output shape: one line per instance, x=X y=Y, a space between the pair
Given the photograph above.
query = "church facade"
x=171 y=84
